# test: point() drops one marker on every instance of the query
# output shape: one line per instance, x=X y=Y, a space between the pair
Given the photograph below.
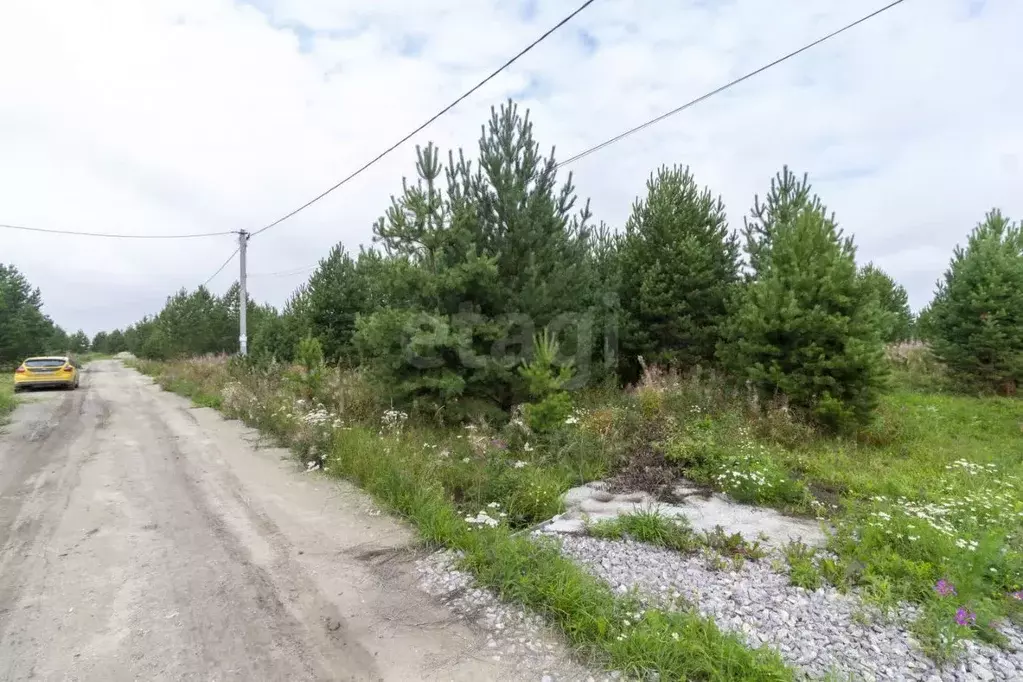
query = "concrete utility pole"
x=243 y=340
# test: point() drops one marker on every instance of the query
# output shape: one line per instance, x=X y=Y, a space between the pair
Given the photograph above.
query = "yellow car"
x=58 y=371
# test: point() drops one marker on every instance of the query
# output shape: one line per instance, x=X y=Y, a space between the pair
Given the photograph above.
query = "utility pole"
x=243 y=303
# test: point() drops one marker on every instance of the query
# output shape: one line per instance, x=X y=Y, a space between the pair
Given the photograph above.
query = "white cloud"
x=207 y=115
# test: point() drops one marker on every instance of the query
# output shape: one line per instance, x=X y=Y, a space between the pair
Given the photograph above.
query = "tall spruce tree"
x=678 y=267
x=896 y=322
x=807 y=326
x=976 y=318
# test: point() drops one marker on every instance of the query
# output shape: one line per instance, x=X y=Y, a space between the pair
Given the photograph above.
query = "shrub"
x=547 y=383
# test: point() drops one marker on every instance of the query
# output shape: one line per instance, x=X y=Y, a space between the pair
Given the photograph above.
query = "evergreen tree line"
x=474 y=259
x=24 y=329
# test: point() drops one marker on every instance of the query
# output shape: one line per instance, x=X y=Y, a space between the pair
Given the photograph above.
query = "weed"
x=7 y=400
x=733 y=545
x=803 y=571
x=650 y=527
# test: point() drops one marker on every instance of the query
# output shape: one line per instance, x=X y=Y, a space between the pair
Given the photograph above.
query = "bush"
x=547 y=383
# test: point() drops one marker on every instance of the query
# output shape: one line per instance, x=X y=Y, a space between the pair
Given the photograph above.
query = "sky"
x=181 y=116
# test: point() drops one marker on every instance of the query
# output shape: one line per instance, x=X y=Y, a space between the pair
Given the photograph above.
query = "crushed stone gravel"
x=510 y=629
x=821 y=632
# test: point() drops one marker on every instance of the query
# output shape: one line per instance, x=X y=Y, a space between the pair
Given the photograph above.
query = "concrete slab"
x=704 y=512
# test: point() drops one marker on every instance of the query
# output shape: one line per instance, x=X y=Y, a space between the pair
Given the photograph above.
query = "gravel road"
x=142 y=539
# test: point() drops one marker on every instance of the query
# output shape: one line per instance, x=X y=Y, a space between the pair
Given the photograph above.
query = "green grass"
x=932 y=490
x=7 y=400
x=650 y=527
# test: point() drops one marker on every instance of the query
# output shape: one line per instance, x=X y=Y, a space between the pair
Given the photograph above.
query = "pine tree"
x=923 y=325
x=24 y=329
x=79 y=342
x=977 y=313
x=678 y=267
x=789 y=196
x=478 y=260
x=893 y=301
x=337 y=293
x=807 y=327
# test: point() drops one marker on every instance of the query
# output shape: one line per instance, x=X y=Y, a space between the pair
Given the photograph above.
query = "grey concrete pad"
x=591 y=503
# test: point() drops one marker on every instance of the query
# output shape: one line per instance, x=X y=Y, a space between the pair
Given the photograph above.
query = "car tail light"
x=20 y=370
x=68 y=368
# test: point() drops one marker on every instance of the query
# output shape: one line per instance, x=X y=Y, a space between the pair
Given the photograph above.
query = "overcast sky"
x=173 y=116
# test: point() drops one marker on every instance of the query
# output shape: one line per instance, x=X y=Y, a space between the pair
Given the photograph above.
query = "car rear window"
x=45 y=362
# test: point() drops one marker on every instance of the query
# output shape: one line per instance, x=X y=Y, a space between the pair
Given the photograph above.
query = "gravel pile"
x=818 y=632
x=511 y=631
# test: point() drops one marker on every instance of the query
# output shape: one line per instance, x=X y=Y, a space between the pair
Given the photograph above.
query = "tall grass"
x=7 y=400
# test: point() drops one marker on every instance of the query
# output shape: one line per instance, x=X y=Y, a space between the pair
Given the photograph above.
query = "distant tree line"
x=473 y=259
x=25 y=330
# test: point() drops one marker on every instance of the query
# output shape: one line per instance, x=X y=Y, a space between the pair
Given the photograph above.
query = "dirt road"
x=142 y=539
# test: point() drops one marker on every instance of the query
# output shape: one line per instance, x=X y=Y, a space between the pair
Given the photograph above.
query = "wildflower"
x=1018 y=596
x=519 y=464
x=572 y=420
x=944 y=588
x=482 y=519
x=394 y=420
x=965 y=617
x=494 y=505
x=527 y=448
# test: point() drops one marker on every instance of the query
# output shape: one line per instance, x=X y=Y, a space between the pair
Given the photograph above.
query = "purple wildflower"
x=1018 y=596
x=944 y=588
x=965 y=617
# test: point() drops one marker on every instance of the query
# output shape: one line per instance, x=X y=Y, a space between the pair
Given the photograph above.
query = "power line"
x=109 y=235
x=221 y=268
x=726 y=86
x=284 y=273
x=430 y=120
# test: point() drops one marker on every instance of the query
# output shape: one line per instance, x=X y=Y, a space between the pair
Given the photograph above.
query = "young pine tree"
x=484 y=257
x=976 y=318
x=893 y=301
x=807 y=327
x=679 y=264
x=339 y=290
x=789 y=196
